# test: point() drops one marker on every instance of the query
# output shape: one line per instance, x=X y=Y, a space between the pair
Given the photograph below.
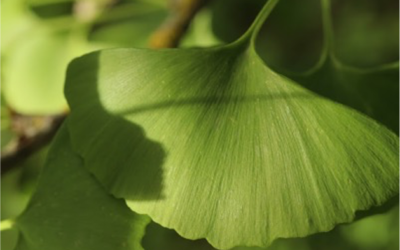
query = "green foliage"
x=75 y=213
x=217 y=113
x=35 y=67
x=240 y=144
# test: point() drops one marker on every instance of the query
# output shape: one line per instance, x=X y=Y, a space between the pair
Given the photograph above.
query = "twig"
x=176 y=24
x=32 y=133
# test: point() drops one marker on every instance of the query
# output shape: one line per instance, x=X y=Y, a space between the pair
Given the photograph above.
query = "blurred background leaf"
x=34 y=74
x=367 y=31
x=40 y=37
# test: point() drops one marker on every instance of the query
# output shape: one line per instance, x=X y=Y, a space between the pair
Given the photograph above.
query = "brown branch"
x=32 y=134
x=174 y=27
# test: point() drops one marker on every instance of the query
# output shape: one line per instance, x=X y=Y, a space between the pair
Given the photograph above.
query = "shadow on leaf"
x=115 y=150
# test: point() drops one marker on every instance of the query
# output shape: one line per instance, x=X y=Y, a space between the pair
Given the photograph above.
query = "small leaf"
x=244 y=147
x=70 y=210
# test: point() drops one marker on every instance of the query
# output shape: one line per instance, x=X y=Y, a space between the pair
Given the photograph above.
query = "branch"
x=174 y=27
x=32 y=134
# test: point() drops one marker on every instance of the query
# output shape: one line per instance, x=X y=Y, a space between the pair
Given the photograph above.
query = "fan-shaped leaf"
x=245 y=147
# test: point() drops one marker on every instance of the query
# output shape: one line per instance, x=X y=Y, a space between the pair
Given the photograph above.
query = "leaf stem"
x=327 y=25
x=252 y=32
x=6 y=224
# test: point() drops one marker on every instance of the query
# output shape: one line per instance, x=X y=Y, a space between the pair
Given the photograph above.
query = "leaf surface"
x=237 y=145
x=70 y=209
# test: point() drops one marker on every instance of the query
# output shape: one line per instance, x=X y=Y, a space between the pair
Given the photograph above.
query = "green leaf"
x=70 y=210
x=379 y=232
x=244 y=146
x=216 y=145
x=34 y=72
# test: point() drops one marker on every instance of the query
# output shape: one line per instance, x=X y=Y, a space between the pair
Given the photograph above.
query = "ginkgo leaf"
x=244 y=146
x=214 y=144
x=70 y=209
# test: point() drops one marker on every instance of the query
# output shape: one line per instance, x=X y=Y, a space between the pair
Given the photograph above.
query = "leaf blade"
x=244 y=147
